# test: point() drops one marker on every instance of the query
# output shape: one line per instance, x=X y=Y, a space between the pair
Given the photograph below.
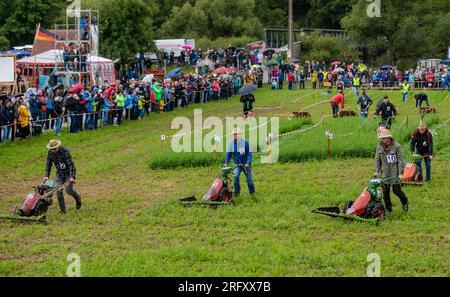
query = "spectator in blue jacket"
x=35 y=106
x=240 y=149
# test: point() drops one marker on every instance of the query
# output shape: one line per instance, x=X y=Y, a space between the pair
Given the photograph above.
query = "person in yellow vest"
x=356 y=85
x=24 y=119
x=405 y=91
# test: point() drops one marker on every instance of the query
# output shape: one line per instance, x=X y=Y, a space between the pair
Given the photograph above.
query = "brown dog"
x=427 y=109
x=302 y=114
x=347 y=113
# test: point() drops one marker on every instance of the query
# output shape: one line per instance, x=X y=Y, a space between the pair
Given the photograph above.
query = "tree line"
x=404 y=32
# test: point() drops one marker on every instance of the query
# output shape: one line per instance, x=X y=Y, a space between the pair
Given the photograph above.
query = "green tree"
x=20 y=17
x=4 y=43
x=213 y=19
x=326 y=48
x=420 y=31
x=328 y=14
x=126 y=27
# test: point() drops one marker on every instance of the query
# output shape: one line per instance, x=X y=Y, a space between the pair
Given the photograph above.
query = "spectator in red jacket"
x=338 y=98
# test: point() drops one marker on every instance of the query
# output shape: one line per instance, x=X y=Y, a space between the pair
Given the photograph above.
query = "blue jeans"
x=202 y=97
x=404 y=97
x=74 y=123
x=249 y=177
x=363 y=115
x=446 y=85
x=42 y=118
x=302 y=84
x=58 y=125
x=105 y=115
x=6 y=133
x=419 y=102
x=89 y=122
x=427 y=167
x=356 y=91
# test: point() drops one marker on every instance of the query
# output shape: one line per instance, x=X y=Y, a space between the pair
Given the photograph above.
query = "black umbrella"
x=247 y=89
x=269 y=52
x=272 y=63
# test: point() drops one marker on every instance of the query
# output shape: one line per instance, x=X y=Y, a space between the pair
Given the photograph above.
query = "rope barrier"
x=353 y=132
x=304 y=96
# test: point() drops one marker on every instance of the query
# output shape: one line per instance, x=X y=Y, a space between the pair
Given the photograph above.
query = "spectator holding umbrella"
x=247 y=98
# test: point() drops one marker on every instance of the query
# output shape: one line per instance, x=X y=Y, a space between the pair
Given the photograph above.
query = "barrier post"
x=329 y=148
x=14 y=130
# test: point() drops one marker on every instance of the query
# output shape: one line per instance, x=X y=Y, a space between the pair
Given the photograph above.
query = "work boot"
x=254 y=198
x=62 y=212
x=78 y=203
x=406 y=208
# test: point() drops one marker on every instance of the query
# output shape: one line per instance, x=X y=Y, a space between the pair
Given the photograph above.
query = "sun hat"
x=53 y=144
x=422 y=126
x=237 y=131
x=385 y=133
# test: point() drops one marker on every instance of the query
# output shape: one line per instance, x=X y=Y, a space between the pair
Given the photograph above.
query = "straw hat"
x=422 y=126
x=237 y=131
x=53 y=144
x=385 y=133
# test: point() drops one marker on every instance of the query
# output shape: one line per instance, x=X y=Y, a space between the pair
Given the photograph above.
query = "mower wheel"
x=224 y=195
x=347 y=205
x=378 y=212
x=40 y=208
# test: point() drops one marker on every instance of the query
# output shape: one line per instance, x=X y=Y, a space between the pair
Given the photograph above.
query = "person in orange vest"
x=338 y=98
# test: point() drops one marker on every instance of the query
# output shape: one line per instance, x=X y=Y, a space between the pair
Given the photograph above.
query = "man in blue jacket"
x=239 y=148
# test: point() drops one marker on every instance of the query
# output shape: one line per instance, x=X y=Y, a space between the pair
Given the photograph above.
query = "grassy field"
x=132 y=225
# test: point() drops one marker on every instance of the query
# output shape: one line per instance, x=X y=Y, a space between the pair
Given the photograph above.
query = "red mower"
x=368 y=206
x=35 y=205
x=411 y=173
x=220 y=192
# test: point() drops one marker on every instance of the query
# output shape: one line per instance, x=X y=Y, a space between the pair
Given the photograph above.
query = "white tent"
x=53 y=57
x=44 y=64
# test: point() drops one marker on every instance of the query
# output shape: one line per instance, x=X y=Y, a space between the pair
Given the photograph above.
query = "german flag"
x=43 y=34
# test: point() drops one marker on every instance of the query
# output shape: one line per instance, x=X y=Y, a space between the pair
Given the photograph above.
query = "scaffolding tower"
x=78 y=47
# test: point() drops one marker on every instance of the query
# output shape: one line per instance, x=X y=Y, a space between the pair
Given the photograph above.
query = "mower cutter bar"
x=192 y=201
x=345 y=216
x=16 y=217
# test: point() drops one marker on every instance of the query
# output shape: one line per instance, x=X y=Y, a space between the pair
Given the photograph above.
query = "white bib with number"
x=391 y=159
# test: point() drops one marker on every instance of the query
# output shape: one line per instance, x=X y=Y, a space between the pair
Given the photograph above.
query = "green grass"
x=132 y=225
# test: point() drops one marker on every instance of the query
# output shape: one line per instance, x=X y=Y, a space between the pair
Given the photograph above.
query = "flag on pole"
x=43 y=34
